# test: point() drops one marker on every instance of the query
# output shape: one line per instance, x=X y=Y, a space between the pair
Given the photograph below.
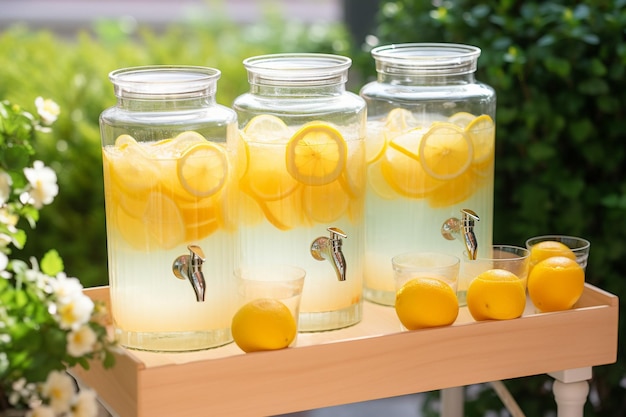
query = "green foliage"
x=74 y=73
x=558 y=68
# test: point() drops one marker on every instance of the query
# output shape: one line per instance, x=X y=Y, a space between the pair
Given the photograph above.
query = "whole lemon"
x=263 y=324
x=556 y=283
x=426 y=302
x=548 y=249
x=496 y=294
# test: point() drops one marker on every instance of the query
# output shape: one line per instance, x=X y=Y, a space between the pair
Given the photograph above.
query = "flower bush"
x=47 y=323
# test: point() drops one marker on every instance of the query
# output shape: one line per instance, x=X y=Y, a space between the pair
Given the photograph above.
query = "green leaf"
x=51 y=264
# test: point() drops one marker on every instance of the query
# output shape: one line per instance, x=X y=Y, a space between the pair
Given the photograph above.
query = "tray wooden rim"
x=371 y=360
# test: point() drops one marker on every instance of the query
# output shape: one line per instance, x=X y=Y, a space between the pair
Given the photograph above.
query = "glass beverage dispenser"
x=303 y=190
x=167 y=156
x=430 y=158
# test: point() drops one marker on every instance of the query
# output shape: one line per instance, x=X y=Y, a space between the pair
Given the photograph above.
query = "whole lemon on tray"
x=426 y=302
x=263 y=324
x=496 y=294
x=556 y=283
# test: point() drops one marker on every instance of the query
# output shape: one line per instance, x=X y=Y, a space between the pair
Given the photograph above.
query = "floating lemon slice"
x=203 y=169
x=409 y=142
x=131 y=228
x=123 y=141
x=266 y=128
x=130 y=166
x=375 y=141
x=316 y=154
x=353 y=179
x=445 y=151
x=267 y=178
x=325 y=204
x=163 y=220
x=179 y=145
x=405 y=175
x=287 y=213
x=454 y=191
x=378 y=183
x=399 y=120
x=482 y=133
x=461 y=119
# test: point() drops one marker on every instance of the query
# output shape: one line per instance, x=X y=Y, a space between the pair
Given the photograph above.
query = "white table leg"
x=452 y=402
x=570 y=391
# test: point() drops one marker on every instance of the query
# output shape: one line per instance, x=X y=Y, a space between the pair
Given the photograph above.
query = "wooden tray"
x=371 y=360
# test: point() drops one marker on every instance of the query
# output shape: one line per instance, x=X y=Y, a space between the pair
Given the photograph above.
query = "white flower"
x=47 y=109
x=4 y=261
x=43 y=185
x=9 y=219
x=5 y=187
x=59 y=390
x=81 y=341
x=85 y=404
x=66 y=288
x=41 y=411
x=75 y=312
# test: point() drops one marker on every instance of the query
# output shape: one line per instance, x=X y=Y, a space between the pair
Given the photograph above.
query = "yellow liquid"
x=282 y=216
x=155 y=209
x=406 y=206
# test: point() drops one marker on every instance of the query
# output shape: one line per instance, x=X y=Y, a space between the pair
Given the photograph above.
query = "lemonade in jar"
x=168 y=155
x=302 y=193
x=430 y=151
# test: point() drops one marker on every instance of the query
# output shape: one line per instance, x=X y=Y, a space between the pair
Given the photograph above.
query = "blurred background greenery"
x=558 y=68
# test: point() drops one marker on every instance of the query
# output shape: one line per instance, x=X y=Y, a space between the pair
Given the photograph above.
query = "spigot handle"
x=189 y=267
x=196 y=254
x=324 y=248
x=468 y=217
x=463 y=230
x=336 y=233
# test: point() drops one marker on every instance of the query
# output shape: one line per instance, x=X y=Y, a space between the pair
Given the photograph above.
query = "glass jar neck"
x=298 y=74
x=430 y=80
x=165 y=87
x=426 y=64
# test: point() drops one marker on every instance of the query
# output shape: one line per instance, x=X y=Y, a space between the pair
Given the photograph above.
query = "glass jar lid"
x=163 y=81
x=426 y=59
x=297 y=69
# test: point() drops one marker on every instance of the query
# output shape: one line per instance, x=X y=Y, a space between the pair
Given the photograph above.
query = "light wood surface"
x=373 y=359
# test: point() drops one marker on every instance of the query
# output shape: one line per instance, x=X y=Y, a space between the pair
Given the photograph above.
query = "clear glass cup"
x=278 y=282
x=425 y=108
x=305 y=180
x=578 y=245
x=438 y=265
x=514 y=259
x=168 y=156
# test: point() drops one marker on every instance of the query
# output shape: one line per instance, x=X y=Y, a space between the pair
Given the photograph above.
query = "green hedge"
x=558 y=68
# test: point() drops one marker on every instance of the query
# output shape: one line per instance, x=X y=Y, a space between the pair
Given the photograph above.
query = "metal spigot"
x=463 y=230
x=324 y=248
x=189 y=267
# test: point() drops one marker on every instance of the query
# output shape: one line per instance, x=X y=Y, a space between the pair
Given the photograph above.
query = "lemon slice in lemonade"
x=375 y=142
x=399 y=120
x=482 y=133
x=445 y=151
x=267 y=177
x=316 y=154
x=266 y=128
x=203 y=169
x=461 y=119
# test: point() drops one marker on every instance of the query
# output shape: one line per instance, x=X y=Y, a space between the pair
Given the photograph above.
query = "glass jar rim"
x=158 y=81
x=426 y=58
x=297 y=68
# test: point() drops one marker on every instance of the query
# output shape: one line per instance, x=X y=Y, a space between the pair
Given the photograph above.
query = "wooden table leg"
x=570 y=391
x=452 y=402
